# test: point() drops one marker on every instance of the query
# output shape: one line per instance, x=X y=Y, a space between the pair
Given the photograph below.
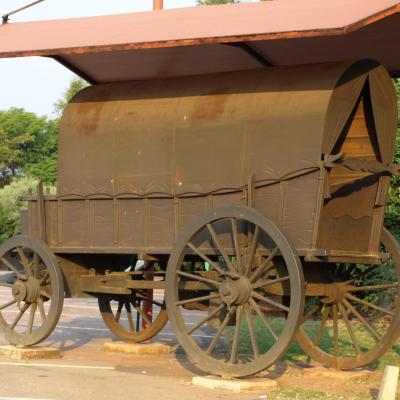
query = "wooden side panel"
x=190 y=209
x=102 y=218
x=160 y=222
x=75 y=223
x=132 y=231
x=51 y=222
x=300 y=210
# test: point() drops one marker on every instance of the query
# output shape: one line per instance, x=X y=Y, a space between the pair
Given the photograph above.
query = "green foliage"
x=18 y=130
x=75 y=86
x=41 y=160
x=393 y=209
x=10 y=207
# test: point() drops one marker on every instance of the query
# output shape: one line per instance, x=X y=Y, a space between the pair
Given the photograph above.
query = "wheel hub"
x=336 y=292
x=235 y=291
x=26 y=290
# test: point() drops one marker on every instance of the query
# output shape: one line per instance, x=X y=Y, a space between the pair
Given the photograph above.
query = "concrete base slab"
x=336 y=374
x=29 y=353
x=145 y=349
x=235 y=385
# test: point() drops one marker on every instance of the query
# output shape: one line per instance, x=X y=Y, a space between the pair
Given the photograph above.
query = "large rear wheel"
x=235 y=268
x=355 y=322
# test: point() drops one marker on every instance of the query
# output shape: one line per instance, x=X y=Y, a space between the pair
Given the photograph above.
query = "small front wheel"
x=139 y=316
x=32 y=291
x=243 y=279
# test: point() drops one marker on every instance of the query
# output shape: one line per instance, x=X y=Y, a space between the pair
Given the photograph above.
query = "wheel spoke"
x=137 y=318
x=250 y=326
x=119 y=310
x=35 y=264
x=362 y=274
x=205 y=258
x=253 y=249
x=12 y=268
x=269 y=301
x=43 y=293
x=220 y=249
x=129 y=314
x=195 y=299
x=375 y=287
x=24 y=260
x=348 y=305
x=143 y=314
x=263 y=284
x=311 y=313
x=41 y=309
x=206 y=319
x=236 y=335
x=44 y=278
x=31 y=318
x=257 y=309
x=214 y=342
x=318 y=336
x=10 y=303
x=142 y=297
x=343 y=312
x=265 y=264
x=19 y=316
x=199 y=278
x=370 y=305
x=335 y=332
x=236 y=242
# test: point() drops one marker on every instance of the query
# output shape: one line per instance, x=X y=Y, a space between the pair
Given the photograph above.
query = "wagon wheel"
x=32 y=287
x=126 y=315
x=248 y=265
x=357 y=324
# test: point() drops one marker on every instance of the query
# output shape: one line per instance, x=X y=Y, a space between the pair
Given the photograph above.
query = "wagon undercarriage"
x=219 y=186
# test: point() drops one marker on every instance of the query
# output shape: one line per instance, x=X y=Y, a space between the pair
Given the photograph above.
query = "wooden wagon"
x=252 y=194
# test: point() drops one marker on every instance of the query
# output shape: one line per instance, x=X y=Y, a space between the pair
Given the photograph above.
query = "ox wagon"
x=251 y=195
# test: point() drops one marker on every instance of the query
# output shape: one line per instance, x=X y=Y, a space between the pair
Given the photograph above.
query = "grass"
x=300 y=394
x=296 y=355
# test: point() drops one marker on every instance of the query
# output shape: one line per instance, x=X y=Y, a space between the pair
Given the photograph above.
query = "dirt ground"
x=88 y=372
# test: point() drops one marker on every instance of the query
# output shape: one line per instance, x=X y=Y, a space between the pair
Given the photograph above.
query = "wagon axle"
x=236 y=292
x=28 y=291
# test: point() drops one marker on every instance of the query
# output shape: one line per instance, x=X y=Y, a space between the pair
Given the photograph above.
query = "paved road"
x=88 y=372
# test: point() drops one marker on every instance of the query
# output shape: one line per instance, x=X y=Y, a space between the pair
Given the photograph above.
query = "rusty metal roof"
x=212 y=39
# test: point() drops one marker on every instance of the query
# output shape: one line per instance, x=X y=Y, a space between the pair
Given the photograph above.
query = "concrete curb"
x=235 y=385
x=29 y=353
x=148 y=349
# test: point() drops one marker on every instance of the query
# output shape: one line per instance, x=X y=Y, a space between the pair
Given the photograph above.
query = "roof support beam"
x=251 y=51
x=75 y=70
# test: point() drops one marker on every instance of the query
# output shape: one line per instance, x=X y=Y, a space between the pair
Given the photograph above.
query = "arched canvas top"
x=210 y=133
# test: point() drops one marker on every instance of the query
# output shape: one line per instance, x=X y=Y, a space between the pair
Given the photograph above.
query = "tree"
x=18 y=130
x=393 y=208
x=41 y=160
x=10 y=207
x=75 y=86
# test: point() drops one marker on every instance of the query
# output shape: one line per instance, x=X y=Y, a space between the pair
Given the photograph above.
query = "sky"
x=36 y=83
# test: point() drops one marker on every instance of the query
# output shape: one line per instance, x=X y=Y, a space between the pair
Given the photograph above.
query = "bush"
x=10 y=206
